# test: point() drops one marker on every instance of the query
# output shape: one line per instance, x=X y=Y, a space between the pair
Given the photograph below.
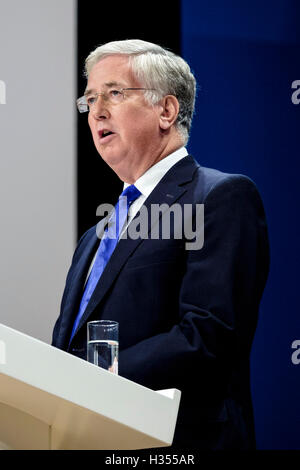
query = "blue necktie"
x=106 y=247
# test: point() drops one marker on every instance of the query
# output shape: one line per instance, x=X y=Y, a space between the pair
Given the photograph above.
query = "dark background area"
x=98 y=24
x=245 y=56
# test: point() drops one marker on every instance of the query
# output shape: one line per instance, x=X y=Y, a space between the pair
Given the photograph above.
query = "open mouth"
x=105 y=134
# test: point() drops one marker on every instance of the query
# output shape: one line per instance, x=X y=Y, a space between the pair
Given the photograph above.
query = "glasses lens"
x=115 y=96
x=82 y=104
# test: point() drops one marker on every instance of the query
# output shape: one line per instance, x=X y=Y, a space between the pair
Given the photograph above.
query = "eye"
x=115 y=92
x=115 y=95
x=90 y=100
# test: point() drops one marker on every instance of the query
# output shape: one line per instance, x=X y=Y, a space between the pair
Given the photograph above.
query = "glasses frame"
x=83 y=107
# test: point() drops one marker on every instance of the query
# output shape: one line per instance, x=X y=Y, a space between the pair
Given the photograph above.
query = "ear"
x=169 y=111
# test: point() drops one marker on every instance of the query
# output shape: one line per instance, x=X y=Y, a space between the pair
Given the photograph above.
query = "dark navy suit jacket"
x=187 y=318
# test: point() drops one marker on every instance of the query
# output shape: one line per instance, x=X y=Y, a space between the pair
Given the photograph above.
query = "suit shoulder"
x=84 y=240
x=87 y=235
x=211 y=181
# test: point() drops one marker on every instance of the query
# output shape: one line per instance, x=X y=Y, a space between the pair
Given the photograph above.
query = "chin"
x=110 y=158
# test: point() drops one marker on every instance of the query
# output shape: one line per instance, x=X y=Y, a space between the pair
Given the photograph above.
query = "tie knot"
x=132 y=193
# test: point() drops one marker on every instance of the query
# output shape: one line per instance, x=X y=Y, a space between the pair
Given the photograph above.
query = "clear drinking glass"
x=103 y=344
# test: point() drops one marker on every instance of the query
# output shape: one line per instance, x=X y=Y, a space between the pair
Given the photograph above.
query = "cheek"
x=90 y=122
x=141 y=126
x=93 y=130
x=146 y=131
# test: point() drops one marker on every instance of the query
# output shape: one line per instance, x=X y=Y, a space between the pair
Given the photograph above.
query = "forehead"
x=111 y=70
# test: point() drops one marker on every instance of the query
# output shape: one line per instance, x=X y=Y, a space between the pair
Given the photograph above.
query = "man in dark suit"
x=187 y=312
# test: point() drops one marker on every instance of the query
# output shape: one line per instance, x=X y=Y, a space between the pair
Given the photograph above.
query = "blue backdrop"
x=245 y=56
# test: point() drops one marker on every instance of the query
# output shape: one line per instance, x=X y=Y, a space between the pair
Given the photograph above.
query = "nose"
x=99 y=109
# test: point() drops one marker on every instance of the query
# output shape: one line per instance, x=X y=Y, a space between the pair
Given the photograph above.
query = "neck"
x=130 y=175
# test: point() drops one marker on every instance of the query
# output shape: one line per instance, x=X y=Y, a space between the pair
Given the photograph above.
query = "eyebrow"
x=108 y=85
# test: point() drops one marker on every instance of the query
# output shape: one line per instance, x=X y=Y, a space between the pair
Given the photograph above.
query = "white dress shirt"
x=147 y=182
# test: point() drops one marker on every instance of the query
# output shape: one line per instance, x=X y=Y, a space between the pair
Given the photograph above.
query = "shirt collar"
x=147 y=182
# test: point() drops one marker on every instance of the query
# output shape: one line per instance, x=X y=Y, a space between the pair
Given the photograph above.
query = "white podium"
x=50 y=399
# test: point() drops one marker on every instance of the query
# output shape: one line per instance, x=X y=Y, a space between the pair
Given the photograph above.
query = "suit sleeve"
x=219 y=295
x=67 y=286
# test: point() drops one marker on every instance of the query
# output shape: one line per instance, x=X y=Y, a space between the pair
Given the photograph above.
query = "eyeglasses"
x=86 y=102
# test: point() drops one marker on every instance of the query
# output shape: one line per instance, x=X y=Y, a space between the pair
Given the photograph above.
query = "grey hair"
x=156 y=68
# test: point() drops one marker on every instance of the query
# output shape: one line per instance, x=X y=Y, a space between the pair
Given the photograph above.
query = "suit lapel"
x=169 y=190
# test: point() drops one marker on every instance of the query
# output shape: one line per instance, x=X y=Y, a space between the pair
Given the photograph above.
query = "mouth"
x=105 y=135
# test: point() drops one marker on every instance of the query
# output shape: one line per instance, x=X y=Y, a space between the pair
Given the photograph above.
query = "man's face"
x=134 y=144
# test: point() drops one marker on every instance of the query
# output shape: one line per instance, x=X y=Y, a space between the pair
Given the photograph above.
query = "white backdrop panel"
x=37 y=160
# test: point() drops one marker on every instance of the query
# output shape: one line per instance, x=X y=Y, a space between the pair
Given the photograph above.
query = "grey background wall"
x=37 y=160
